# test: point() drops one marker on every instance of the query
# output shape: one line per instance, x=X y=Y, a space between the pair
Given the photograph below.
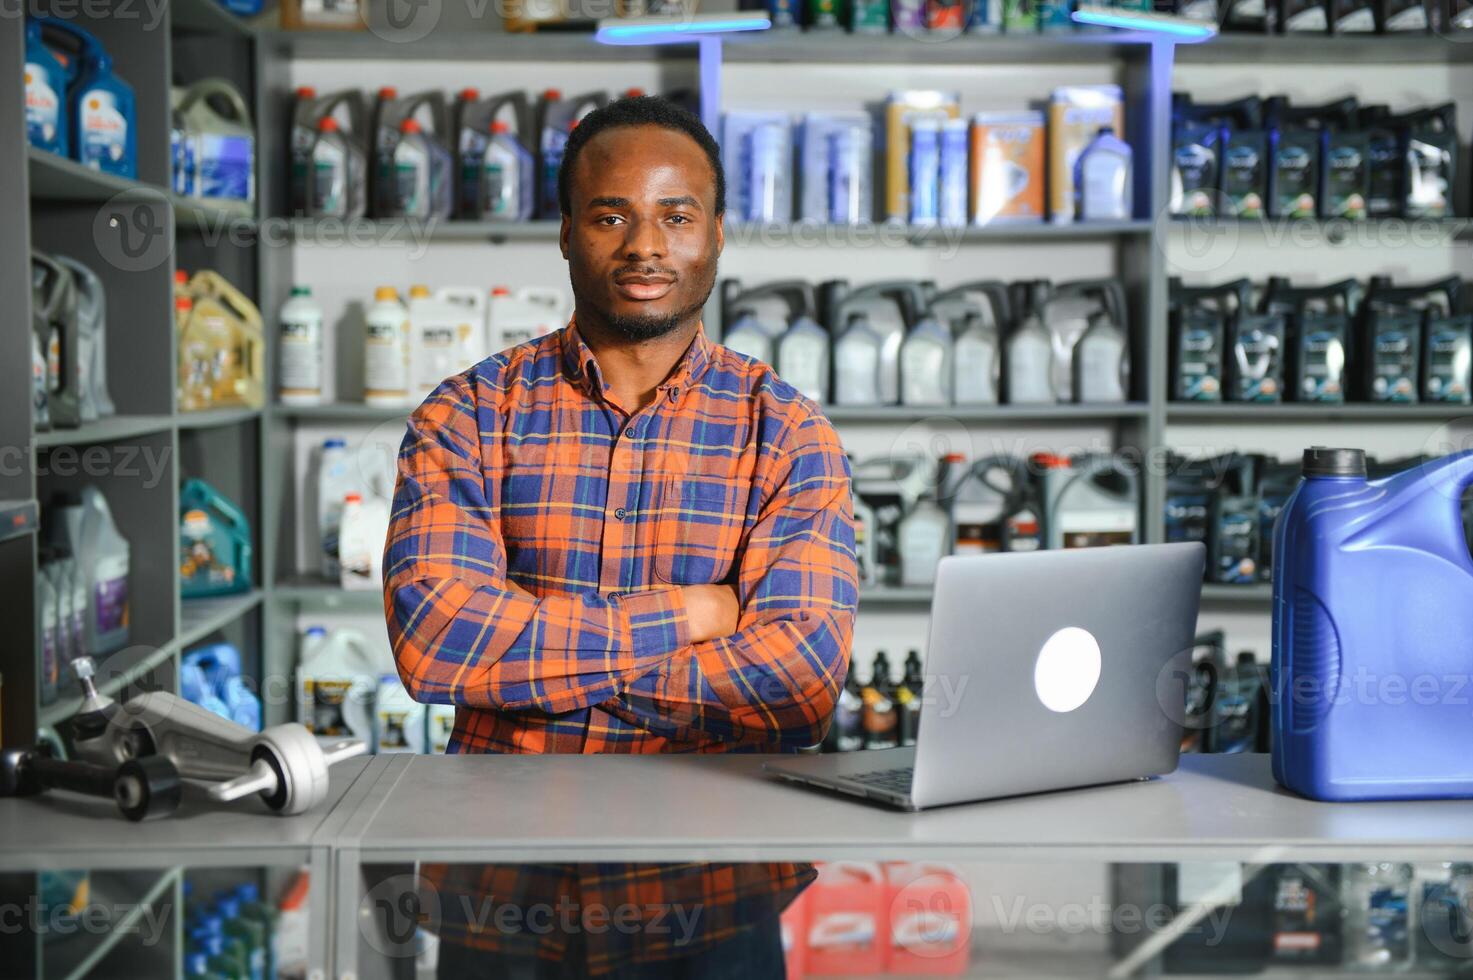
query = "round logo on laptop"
x=1068 y=669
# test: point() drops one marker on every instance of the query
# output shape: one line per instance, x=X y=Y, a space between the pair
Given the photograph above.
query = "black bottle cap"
x=1324 y=461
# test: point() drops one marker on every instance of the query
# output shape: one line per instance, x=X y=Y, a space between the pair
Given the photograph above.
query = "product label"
x=1322 y=360
x=1428 y=178
x=1259 y=368
x=1449 y=362
x=881 y=724
x=328 y=193
x=1346 y=183
x=301 y=357
x=1007 y=180
x=111 y=600
x=1294 y=168
x=1237 y=545
x=325 y=697
x=43 y=107
x=1194 y=177
x=103 y=140
x=1394 y=365
x=1243 y=181
x=386 y=360
x=1186 y=517
x=1199 y=367
x=226 y=166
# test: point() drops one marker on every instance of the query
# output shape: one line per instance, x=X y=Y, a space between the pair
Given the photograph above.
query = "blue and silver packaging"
x=836 y=168
x=954 y=147
x=925 y=171
x=756 y=150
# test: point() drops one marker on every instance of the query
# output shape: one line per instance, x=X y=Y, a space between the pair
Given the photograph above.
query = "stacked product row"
x=1373 y=342
x=1265 y=158
x=1230 y=503
x=497 y=158
x=1348 y=17
x=409 y=348
x=907 y=342
x=910 y=511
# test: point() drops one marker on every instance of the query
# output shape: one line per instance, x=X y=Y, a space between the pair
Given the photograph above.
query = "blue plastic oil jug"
x=101 y=109
x=1373 y=632
x=214 y=542
x=46 y=109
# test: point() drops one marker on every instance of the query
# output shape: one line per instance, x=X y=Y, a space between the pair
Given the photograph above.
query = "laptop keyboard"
x=894 y=780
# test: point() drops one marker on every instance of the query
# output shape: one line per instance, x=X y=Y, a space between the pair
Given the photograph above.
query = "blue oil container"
x=46 y=108
x=1373 y=632
x=102 y=112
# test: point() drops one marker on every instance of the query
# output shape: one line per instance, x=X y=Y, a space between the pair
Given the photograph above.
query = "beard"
x=640 y=327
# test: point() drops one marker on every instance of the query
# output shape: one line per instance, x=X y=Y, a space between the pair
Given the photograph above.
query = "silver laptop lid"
x=1053 y=669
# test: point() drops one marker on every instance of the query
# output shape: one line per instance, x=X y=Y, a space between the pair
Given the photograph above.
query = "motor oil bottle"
x=1256 y=349
x=365 y=525
x=803 y=358
x=1070 y=312
x=83 y=524
x=333 y=478
x=224 y=311
x=1022 y=528
x=72 y=594
x=444 y=339
x=412 y=170
x=474 y=306
x=1399 y=16
x=40 y=409
x=1089 y=501
x=556 y=117
x=1319 y=321
x=1352 y=16
x=507 y=186
x=214 y=543
x=1243 y=154
x=926 y=364
x=1372 y=578
x=1196 y=160
x=1385 y=163
x=217 y=123
x=1389 y=345
x=471 y=121
x=1346 y=179
x=1295 y=151
x=1233 y=541
x=857 y=363
x=329 y=166
x=979 y=504
x=1029 y=371
x=890 y=487
x=846 y=731
x=101 y=109
x=1198 y=324
x=47 y=119
x=1447 y=350
x=908 y=697
x=976 y=313
x=881 y=723
x=1304 y=16
x=526 y=314
x=890 y=307
x=1276 y=482
x=54 y=324
x=1430 y=149
x=1188 y=503
x=1103 y=179
x=47 y=601
x=923 y=536
x=91 y=340
x=337 y=676
x=1101 y=357
x=1252 y=16
x=757 y=316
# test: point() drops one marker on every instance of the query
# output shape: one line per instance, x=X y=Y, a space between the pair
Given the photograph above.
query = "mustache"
x=631 y=270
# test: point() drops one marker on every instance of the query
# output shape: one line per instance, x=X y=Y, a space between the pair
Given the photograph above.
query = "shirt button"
x=614 y=596
x=620 y=513
x=629 y=432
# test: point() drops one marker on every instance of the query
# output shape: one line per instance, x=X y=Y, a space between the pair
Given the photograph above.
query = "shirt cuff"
x=658 y=623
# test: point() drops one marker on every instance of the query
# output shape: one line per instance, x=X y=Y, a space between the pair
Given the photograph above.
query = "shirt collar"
x=582 y=366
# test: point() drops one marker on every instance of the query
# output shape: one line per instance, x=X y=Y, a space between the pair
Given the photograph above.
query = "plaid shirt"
x=540 y=537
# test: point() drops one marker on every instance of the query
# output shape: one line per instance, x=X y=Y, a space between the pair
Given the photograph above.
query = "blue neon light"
x=1198 y=32
x=674 y=31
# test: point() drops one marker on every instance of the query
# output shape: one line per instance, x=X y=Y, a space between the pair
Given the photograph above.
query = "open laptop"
x=1044 y=670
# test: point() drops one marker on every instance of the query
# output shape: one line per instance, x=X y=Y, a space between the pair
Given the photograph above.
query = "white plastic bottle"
x=924 y=534
x=361 y=541
x=386 y=351
x=299 y=370
x=533 y=311
x=336 y=679
x=445 y=338
x=335 y=480
x=472 y=304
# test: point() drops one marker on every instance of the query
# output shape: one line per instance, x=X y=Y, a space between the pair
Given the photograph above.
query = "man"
x=623 y=537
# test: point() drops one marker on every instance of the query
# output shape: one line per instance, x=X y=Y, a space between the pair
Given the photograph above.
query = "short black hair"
x=638 y=110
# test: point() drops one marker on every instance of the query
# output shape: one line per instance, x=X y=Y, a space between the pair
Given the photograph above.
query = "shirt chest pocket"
x=698 y=529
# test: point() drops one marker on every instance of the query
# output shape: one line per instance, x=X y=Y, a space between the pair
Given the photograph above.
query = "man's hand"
x=712 y=610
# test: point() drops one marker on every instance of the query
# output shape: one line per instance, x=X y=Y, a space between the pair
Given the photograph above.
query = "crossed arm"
x=758 y=663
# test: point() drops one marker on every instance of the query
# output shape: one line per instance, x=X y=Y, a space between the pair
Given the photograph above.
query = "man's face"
x=643 y=238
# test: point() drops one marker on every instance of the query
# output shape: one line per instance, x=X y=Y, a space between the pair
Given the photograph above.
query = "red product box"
x=846 y=919
x=928 y=915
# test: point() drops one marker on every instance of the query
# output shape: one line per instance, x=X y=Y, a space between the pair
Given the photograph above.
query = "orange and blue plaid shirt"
x=532 y=574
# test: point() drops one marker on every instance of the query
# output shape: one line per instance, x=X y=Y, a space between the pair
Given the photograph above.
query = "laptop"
x=1045 y=670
